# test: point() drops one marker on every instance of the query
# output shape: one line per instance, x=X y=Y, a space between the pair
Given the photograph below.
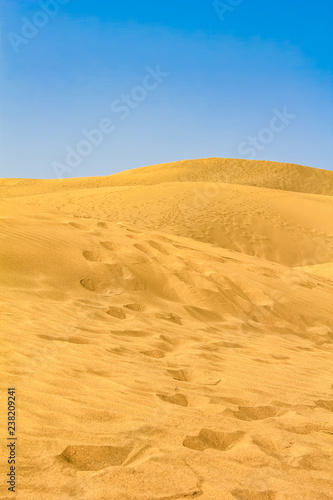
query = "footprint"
x=174 y=318
x=279 y=357
x=122 y=277
x=327 y=405
x=142 y=248
x=130 y=333
x=109 y=245
x=315 y=461
x=168 y=340
x=114 y=281
x=88 y=284
x=163 y=238
x=202 y=314
x=92 y=256
x=116 y=312
x=49 y=337
x=254 y=413
x=180 y=375
x=78 y=340
x=231 y=345
x=78 y=226
x=254 y=495
x=94 y=458
x=154 y=354
x=102 y=224
x=177 y=399
x=134 y=307
x=222 y=441
x=158 y=247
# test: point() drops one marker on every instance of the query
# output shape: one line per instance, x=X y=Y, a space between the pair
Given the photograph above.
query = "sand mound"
x=163 y=352
x=283 y=176
x=273 y=175
x=94 y=457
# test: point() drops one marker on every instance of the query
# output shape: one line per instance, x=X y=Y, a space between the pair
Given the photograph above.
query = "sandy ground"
x=169 y=332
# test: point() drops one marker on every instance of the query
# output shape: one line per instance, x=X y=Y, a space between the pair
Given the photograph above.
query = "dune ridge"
x=273 y=175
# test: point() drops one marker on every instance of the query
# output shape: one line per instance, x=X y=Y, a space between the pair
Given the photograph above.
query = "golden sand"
x=169 y=333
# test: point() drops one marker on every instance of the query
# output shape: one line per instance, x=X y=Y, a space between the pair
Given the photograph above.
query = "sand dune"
x=284 y=176
x=170 y=339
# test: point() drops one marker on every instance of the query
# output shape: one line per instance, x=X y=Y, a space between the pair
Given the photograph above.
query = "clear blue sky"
x=226 y=80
